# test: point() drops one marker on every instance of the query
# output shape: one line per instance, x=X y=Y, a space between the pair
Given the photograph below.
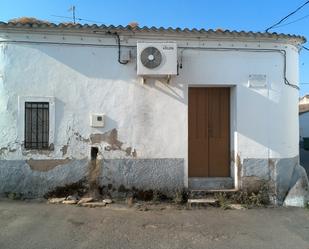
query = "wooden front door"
x=209 y=132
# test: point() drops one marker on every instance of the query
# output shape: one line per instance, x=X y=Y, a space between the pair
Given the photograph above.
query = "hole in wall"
x=94 y=153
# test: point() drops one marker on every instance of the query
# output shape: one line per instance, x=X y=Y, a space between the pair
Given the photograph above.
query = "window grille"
x=36 y=125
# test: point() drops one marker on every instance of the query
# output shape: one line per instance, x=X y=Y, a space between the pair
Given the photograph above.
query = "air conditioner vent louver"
x=151 y=57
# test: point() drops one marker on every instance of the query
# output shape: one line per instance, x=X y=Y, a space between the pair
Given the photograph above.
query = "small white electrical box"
x=96 y=120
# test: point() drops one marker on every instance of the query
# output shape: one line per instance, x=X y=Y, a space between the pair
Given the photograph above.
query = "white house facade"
x=226 y=118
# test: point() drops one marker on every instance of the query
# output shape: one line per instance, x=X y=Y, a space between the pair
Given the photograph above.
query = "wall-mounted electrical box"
x=96 y=120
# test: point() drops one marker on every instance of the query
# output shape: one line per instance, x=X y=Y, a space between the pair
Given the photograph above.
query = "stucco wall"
x=304 y=100
x=146 y=121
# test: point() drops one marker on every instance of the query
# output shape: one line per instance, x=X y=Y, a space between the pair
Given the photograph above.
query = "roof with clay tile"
x=34 y=24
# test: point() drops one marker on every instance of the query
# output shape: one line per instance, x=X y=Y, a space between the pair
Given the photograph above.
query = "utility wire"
x=297 y=20
x=286 y=17
x=79 y=19
x=62 y=17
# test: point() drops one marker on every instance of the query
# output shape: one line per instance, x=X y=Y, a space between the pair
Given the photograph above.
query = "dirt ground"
x=32 y=225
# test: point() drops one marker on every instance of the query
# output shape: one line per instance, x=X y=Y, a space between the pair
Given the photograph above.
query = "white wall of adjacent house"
x=83 y=76
x=304 y=125
x=304 y=100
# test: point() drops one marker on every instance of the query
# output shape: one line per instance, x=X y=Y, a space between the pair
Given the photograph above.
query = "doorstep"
x=211 y=183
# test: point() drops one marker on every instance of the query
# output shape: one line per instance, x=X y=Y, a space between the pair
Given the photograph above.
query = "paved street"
x=38 y=225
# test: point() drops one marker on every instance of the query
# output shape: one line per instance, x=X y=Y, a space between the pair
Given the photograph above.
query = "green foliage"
x=177 y=197
x=180 y=196
x=14 y=196
x=223 y=200
x=252 y=199
x=156 y=196
x=246 y=199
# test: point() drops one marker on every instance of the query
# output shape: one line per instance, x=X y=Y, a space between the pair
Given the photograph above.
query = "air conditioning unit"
x=156 y=58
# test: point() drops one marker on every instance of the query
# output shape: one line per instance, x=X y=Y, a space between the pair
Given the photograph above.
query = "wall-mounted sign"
x=257 y=81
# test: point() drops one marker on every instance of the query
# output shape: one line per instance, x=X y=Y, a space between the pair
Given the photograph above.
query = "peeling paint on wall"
x=46 y=165
x=5 y=150
x=81 y=138
x=134 y=153
x=32 y=152
x=64 y=149
x=110 y=137
x=128 y=151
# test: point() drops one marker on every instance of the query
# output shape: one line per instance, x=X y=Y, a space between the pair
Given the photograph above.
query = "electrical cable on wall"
x=116 y=35
x=282 y=52
x=119 y=47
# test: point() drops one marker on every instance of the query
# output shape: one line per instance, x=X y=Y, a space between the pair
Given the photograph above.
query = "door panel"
x=198 y=132
x=209 y=132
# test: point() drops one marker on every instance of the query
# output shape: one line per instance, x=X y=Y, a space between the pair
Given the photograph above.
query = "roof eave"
x=202 y=33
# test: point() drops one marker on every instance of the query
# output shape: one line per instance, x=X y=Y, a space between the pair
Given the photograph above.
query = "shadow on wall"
x=173 y=89
x=90 y=61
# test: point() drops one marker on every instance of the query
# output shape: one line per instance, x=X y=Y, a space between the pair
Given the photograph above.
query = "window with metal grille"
x=36 y=125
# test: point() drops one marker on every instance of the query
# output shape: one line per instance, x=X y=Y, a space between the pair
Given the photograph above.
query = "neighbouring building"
x=304 y=117
x=304 y=100
x=155 y=108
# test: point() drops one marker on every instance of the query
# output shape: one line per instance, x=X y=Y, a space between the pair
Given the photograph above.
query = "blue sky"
x=255 y=15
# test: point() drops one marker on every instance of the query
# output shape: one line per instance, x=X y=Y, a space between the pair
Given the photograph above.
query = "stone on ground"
x=93 y=204
x=236 y=206
x=72 y=198
x=70 y=202
x=56 y=200
x=107 y=201
x=130 y=201
x=85 y=200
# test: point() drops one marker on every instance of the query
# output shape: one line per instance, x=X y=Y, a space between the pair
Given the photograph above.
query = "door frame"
x=234 y=164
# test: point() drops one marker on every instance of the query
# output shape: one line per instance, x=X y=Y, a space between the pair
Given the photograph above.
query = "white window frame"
x=21 y=117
